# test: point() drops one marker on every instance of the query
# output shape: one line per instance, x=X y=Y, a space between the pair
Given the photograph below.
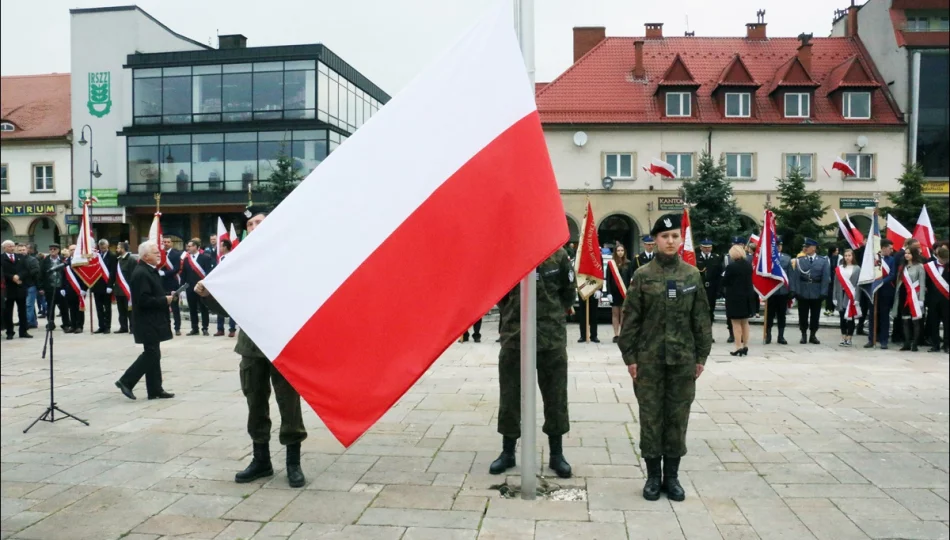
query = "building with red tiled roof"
x=763 y=105
x=908 y=40
x=35 y=157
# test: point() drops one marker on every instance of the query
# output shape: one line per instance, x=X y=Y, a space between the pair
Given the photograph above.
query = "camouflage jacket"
x=556 y=294
x=244 y=346
x=666 y=316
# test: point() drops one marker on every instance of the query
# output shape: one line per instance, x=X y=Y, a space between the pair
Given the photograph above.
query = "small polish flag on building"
x=842 y=165
x=896 y=232
x=662 y=168
x=457 y=160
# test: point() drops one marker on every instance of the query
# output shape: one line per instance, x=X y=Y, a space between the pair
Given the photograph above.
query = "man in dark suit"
x=14 y=266
x=170 y=278
x=211 y=249
x=102 y=289
x=53 y=283
x=710 y=267
x=778 y=303
x=938 y=303
x=125 y=265
x=194 y=267
x=152 y=326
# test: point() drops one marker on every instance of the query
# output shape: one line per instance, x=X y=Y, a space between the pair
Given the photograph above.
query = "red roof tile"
x=37 y=105
x=849 y=74
x=600 y=87
x=736 y=74
x=792 y=74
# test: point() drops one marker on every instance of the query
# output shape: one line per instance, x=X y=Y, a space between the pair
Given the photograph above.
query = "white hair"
x=8 y=243
x=146 y=247
x=103 y=242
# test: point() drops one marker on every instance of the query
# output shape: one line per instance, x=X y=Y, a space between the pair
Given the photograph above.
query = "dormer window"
x=7 y=127
x=797 y=105
x=738 y=104
x=678 y=104
x=856 y=105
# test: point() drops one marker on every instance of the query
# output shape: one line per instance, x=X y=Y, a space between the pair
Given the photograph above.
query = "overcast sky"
x=389 y=41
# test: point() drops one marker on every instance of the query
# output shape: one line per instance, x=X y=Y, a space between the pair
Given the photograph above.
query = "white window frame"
x=49 y=182
x=846 y=105
x=739 y=157
x=745 y=101
x=803 y=98
x=5 y=187
x=7 y=127
x=684 y=98
x=675 y=159
x=864 y=172
x=616 y=157
x=808 y=172
x=917 y=24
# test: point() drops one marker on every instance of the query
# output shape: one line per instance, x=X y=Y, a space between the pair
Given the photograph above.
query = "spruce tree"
x=907 y=202
x=283 y=180
x=715 y=214
x=800 y=212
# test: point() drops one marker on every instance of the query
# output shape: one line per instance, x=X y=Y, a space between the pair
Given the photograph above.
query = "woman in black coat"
x=741 y=299
x=152 y=324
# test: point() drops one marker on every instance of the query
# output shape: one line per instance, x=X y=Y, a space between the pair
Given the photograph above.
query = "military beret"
x=648 y=239
x=706 y=243
x=811 y=242
x=51 y=246
x=669 y=222
x=256 y=209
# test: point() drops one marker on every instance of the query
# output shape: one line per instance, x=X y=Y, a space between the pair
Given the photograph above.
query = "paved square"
x=791 y=442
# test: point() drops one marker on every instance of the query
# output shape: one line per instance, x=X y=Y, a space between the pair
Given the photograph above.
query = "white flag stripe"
x=391 y=165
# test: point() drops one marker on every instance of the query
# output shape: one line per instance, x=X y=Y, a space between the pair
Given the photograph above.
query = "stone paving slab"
x=790 y=442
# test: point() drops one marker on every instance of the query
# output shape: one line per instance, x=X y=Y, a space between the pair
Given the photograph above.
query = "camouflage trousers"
x=552 y=379
x=257 y=375
x=664 y=394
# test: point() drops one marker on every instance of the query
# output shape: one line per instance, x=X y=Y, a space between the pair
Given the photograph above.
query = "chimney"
x=756 y=30
x=851 y=25
x=654 y=30
x=586 y=38
x=232 y=41
x=639 y=72
x=804 y=51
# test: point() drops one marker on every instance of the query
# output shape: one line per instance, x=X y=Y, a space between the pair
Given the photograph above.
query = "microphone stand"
x=50 y=414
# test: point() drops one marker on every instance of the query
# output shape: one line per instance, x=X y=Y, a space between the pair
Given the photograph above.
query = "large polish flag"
x=450 y=192
x=924 y=232
x=896 y=232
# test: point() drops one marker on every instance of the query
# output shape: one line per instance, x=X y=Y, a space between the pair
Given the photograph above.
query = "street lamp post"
x=93 y=164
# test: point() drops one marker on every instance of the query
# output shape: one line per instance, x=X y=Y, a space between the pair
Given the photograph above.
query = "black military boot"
x=260 y=466
x=915 y=326
x=506 y=459
x=908 y=335
x=295 y=475
x=671 y=484
x=557 y=463
x=768 y=337
x=781 y=337
x=814 y=339
x=651 y=489
x=804 y=339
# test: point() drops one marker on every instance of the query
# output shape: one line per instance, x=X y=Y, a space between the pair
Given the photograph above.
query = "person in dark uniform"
x=15 y=281
x=171 y=279
x=52 y=283
x=257 y=376
x=152 y=325
x=211 y=249
x=884 y=299
x=665 y=341
x=125 y=265
x=710 y=268
x=619 y=272
x=809 y=283
x=938 y=299
x=194 y=267
x=102 y=289
x=75 y=300
x=556 y=293
x=778 y=302
x=645 y=256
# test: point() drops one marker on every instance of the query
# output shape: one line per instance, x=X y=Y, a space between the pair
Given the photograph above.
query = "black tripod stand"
x=50 y=414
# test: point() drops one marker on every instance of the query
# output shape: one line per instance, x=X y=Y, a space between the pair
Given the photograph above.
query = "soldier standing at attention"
x=710 y=269
x=809 y=283
x=649 y=244
x=257 y=376
x=665 y=340
x=778 y=302
x=556 y=291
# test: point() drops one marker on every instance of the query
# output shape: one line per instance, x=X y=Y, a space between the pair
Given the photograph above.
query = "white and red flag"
x=233 y=236
x=589 y=263
x=86 y=261
x=662 y=168
x=768 y=276
x=155 y=235
x=924 y=232
x=855 y=233
x=222 y=235
x=687 y=252
x=844 y=167
x=457 y=160
x=845 y=231
x=897 y=233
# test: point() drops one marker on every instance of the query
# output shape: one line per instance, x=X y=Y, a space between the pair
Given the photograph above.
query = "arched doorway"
x=43 y=232
x=574 y=228
x=748 y=226
x=6 y=230
x=619 y=228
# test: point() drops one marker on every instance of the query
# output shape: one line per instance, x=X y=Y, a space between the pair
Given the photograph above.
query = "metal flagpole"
x=524 y=25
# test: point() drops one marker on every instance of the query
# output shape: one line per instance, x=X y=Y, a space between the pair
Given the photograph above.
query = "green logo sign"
x=100 y=94
x=106 y=197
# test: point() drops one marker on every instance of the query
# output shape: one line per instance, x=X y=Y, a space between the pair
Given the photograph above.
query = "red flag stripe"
x=937 y=279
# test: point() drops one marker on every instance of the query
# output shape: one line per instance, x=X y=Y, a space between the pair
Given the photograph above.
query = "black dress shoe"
x=869 y=346
x=193 y=333
x=26 y=336
x=126 y=391
x=477 y=339
x=804 y=340
x=177 y=332
x=731 y=339
x=768 y=340
x=204 y=332
x=162 y=395
x=99 y=331
x=9 y=337
x=934 y=349
x=122 y=331
x=814 y=340
x=594 y=340
x=781 y=341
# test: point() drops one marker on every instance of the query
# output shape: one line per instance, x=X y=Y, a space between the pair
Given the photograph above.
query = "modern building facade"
x=763 y=105
x=909 y=41
x=35 y=158
x=199 y=126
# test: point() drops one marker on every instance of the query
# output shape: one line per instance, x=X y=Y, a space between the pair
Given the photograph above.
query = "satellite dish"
x=580 y=139
x=607 y=182
x=862 y=141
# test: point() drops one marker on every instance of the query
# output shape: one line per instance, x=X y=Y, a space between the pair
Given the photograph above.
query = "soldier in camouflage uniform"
x=257 y=375
x=556 y=293
x=665 y=340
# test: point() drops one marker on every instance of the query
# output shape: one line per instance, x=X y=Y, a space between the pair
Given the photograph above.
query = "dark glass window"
x=207 y=93
x=147 y=107
x=143 y=166
x=207 y=160
x=933 y=123
x=176 y=100
x=236 y=89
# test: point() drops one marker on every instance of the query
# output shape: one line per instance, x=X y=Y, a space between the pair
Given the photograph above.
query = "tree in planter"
x=910 y=199
x=800 y=212
x=715 y=214
x=283 y=180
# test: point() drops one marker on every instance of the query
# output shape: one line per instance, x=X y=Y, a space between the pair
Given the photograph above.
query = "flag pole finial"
x=158 y=201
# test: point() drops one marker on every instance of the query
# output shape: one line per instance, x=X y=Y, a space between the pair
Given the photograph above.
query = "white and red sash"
x=74 y=284
x=194 y=265
x=615 y=272
x=123 y=284
x=105 y=268
x=852 y=310
x=937 y=279
x=913 y=290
